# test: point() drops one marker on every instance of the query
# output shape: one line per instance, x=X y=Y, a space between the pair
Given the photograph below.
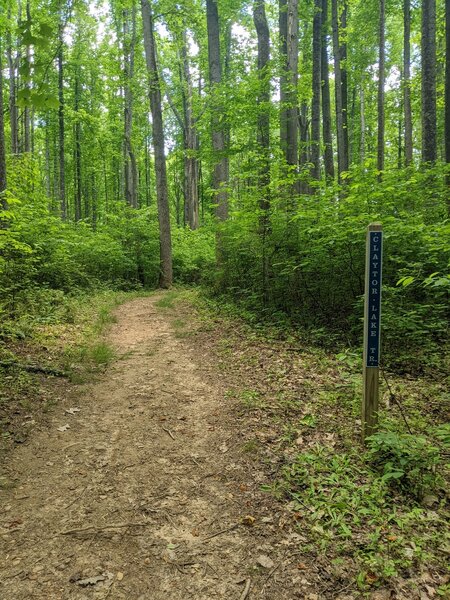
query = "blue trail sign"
x=373 y=308
x=372 y=329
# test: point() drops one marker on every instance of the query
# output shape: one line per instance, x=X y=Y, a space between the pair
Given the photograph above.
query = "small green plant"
x=404 y=460
x=101 y=354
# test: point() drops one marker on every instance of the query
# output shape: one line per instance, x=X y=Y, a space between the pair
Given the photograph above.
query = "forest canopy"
x=241 y=145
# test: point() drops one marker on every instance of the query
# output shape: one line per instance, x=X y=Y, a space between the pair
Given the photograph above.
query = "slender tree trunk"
x=407 y=81
x=61 y=126
x=362 y=143
x=221 y=168
x=3 y=180
x=341 y=145
x=282 y=30
x=263 y=133
x=316 y=89
x=263 y=99
x=381 y=78
x=77 y=154
x=130 y=166
x=326 y=102
x=165 y=242
x=429 y=136
x=344 y=81
x=190 y=143
x=447 y=96
x=13 y=115
x=291 y=95
x=27 y=109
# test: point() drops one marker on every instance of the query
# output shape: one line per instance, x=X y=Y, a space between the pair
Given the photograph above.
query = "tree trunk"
x=344 y=81
x=263 y=133
x=3 y=180
x=263 y=99
x=291 y=94
x=316 y=89
x=326 y=102
x=190 y=143
x=429 y=139
x=165 y=242
x=282 y=32
x=447 y=96
x=341 y=145
x=221 y=168
x=362 y=143
x=130 y=166
x=381 y=78
x=27 y=109
x=77 y=153
x=61 y=126
x=13 y=114
x=407 y=81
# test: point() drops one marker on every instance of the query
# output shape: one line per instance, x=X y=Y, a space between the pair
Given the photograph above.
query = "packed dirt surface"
x=130 y=491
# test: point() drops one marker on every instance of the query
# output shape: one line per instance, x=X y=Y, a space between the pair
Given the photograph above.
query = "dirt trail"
x=126 y=504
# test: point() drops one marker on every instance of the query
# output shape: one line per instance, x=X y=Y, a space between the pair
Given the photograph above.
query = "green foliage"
x=405 y=460
x=315 y=263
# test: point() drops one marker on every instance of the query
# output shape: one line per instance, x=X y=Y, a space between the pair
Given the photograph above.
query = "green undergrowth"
x=379 y=513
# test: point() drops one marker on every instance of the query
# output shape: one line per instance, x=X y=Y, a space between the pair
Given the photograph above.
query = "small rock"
x=265 y=561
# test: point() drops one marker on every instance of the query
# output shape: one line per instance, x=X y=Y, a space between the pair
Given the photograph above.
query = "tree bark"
x=362 y=142
x=407 y=114
x=221 y=167
x=13 y=114
x=165 y=242
x=3 y=179
x=27 y=109
x=316 y=89
x=341 y=144
x=263 y=133
x=381 y=78
x=447 y=96
x=429 y=136
x=77 y=150
x=326 y=102
x=292 y=79
x=190 y=135
x=282 y=32
x=130 y=166
x=263 y=99
x=61 y=126
x=344 y=81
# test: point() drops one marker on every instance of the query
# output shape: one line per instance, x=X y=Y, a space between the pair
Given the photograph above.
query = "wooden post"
x=372 y=328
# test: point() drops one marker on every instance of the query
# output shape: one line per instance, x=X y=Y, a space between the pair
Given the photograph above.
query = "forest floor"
x=146 y=482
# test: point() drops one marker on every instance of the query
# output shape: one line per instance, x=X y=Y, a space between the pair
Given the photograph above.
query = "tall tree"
x=190 y=140
x=263 y=99
x=407 y=115
x=221 y=166
x=292 y=82
x=12 y=72
x=428 y=45
x=326 y=103
x=27 y=109
x=316 y=89
x=447 y=96
x=129 y=45
x=61 y=123
x=342 y=146
x=165 y=242
x=77 y=148
x=3 y=181
x=381 y=80
x=283 y=35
